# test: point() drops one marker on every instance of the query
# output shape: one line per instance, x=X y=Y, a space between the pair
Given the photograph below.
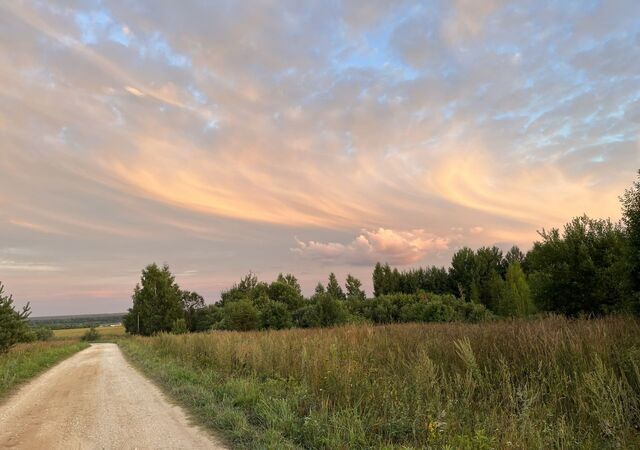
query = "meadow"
x=24 y=361
x=107 y=332
x=537 y=384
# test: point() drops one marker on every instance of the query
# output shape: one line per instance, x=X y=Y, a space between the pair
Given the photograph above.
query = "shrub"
x=240 y=315
x=90 y=335
x=43 y=333
x=179 y=326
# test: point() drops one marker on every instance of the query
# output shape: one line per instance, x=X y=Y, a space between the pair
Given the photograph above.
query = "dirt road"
x=96 y=400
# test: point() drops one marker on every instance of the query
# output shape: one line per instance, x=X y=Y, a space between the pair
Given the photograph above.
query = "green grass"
x=548 y=383
x=24 y=361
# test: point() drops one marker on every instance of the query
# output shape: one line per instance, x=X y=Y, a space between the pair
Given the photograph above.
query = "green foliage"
x=463 y=269
x=515 y=297
x=421 y=307
x=241 y=290
x=13 y=324
x=430 y=279
x=240 y=315
x=192 y=302
x=333 y=288
x=179 y=326
x=90 y=335
x=207 y=317
x=157 y=302
x=582 y=270
x=354 y=290
x=631 y=219
x=43 y=333
x=275 y=315
x=285 y=293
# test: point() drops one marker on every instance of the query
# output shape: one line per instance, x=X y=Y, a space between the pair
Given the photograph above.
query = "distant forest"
x=76 y=321
x=591 y=267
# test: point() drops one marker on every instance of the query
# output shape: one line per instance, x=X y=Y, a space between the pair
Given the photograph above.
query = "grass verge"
x=549 y=383
x=24 y=361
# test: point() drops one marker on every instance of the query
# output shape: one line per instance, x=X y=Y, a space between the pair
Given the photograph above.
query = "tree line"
x=590 y=267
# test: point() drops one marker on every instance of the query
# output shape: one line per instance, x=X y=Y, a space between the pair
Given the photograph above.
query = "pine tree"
x=13 y=324
x=333 y=288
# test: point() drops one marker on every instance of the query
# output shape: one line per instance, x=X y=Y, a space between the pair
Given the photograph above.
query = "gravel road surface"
x=96 y=400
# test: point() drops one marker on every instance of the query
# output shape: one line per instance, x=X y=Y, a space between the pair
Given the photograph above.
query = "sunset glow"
x=304 y=137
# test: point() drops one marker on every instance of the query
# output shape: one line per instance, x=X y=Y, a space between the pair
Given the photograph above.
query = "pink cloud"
x=392 y=246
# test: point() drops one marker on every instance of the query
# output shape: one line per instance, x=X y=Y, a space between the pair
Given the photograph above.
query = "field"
x=77 y=333
x=77 y=321
x=26 y=360
x=549 y=383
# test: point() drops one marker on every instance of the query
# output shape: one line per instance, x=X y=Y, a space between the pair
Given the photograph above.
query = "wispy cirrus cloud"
x=208 y=135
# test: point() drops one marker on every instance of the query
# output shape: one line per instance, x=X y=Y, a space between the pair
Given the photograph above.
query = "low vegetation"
x=26 y=360
x=545 y=383
x=105 y=333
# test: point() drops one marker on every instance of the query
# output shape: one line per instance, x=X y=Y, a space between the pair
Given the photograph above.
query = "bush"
x=240 y=315
x=43 y=333
x=179 y=326
x=90 y=335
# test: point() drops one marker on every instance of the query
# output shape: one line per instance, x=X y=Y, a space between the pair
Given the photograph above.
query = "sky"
x=273 y=136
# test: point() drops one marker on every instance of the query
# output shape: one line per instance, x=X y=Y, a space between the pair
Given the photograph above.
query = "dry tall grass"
x=549 y=383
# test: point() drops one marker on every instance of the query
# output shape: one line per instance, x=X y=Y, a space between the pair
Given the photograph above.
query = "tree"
x=488 y=260
x=192 y=302
x=290 y=280
x=241 y=315
x=512 y=256
x=330 y=311
x=462 y=272
x=377 y=280
x=13 y=324
x=631 y=219
x=354 y=289
x=581 y=270
x=240 y=290
x=157 y=302
x=515 y=299
x=275 y=315
x=334 y=289
x=286 y=293
x=319 y=289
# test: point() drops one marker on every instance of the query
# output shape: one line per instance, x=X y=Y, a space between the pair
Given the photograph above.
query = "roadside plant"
x=13 y=324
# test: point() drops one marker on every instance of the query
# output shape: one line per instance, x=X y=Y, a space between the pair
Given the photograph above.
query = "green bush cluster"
x=90 y=335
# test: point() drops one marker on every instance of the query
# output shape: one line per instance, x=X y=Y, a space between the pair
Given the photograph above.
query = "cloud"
x=208 y=136
x=394 y=247
x=27 y=266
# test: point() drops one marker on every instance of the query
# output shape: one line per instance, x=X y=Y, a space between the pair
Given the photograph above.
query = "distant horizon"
x=301 y=137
